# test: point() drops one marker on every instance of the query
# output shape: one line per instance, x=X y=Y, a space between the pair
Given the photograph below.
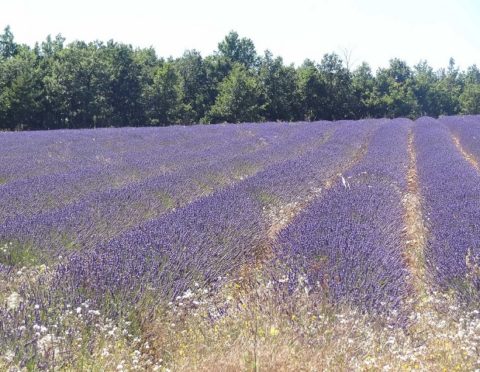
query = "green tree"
x=363 y=86
x=279 y=82
x=194 y=74
x=337 y=101
x=470 y=97
x=449 y=88
x=238 y=50
x=77 y=85
x=20 y=91
x=8 y=48
x=163 y=99
x=394 y=89
x=240 y=98
x=424 y=88
x=310 y=89
x=125 y=87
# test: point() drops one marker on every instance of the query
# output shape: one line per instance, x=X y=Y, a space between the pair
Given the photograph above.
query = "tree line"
x=97 y=84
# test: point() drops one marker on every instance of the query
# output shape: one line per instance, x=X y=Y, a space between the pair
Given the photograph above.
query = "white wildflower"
x=9 y=356
x=45 y=344
x=188 y=294
x=13 y=301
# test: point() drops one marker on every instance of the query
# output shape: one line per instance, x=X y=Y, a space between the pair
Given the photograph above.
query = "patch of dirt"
x=415 y=230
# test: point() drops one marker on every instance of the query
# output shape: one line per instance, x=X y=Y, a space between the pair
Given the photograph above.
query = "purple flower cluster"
x=451 y=194
x=101 y=212
x=211 y=237
x=43 y=176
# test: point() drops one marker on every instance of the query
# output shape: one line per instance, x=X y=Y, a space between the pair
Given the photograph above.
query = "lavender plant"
x=210 y=238
x=451 y=193
x=348 y=244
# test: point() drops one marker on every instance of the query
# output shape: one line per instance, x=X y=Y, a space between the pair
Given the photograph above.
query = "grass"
x=249 y=325
x=266 y=199
x=167 y=201
x=260 y=330
x=18 y=254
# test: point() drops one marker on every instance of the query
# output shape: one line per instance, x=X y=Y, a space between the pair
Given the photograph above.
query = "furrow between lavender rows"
x=348 y=245
x=102 y=215
x=450 y=188
x=210 y=238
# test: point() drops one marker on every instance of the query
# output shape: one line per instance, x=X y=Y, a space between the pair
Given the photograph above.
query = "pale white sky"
x=374 y=30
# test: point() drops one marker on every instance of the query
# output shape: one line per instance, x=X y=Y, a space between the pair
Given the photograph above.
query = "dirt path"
x=415 y=231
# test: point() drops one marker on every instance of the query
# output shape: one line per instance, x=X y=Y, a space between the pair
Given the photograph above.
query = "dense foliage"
x=97 y=84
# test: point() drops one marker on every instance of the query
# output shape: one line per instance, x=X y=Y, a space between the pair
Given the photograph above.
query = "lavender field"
x=347 y=245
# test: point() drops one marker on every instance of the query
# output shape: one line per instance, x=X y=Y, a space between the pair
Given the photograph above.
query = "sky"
x=368 y=30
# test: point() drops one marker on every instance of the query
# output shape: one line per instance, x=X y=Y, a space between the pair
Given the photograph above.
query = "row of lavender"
x=210 y=238
x=149 y=237
x=450 y=188
x=348 y=244
x=100 y=215
x=40 y=174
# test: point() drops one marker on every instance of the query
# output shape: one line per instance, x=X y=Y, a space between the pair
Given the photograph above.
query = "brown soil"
x=415 y=231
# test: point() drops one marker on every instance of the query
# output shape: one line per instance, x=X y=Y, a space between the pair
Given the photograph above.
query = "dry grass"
x=256 y=328
x=251 y=325
x=415 y=230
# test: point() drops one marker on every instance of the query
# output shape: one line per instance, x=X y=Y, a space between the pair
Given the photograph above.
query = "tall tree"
x=125 y=84
x=20 y=91
x=238 y=50
x=8 y=48
x=363 y=85
x=337 y=101
x=163 y=100
x=394 y=87
x=279 y=83
x=240 y=98
x=77 y=86
x=449 y=89
x=470 y=97
x=424 y=88
x=310 y=90
x=194 y=75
